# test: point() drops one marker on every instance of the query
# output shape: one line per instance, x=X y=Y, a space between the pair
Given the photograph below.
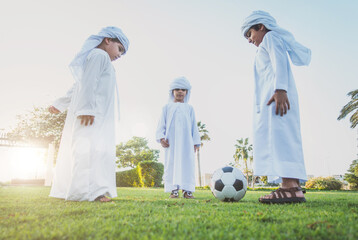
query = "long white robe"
x=178 y=125
x=277 y=140
x=85 y=167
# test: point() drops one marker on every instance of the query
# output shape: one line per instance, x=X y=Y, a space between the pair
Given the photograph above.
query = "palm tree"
x=351 y=106
x=243 y=151
x=204 y=136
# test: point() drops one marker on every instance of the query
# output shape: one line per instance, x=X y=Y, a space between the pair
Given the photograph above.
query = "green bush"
x=151 y=173
x=128 y=178
x=352 y=176
x=324 y=183
x=146 y=174
x=207 y=187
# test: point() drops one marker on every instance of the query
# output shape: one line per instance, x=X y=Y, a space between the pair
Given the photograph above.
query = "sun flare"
x=28 y=163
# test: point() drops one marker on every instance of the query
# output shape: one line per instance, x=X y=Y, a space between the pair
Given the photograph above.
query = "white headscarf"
x=299 y=54
x=92 y=42
x=180 y=83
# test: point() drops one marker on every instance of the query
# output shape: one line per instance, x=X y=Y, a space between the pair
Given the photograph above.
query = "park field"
x=148 y=213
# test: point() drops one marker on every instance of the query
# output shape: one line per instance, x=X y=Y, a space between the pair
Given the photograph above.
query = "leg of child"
x=175 y=193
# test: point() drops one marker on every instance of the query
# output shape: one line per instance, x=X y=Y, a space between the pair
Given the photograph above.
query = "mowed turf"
x=145 y=213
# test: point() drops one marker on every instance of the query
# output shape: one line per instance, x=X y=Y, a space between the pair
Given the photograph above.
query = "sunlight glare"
x=28 y=163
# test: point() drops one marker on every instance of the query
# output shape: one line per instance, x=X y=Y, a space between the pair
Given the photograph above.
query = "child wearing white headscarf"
x=277 y=136
x=85 y=166
x=178 y=133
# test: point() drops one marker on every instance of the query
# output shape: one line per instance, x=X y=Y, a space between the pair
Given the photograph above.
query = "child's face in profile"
x=256 y=37
x=114 y=50
x=179 y=95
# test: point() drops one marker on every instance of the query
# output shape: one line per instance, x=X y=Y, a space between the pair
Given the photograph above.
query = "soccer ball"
x=228 y=184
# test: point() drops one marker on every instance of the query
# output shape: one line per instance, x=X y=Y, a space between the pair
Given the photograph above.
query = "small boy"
x=277 y=136
x=178 y=133
x=85 y=167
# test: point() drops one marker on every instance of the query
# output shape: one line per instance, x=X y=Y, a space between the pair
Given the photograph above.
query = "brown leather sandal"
x=188 y=195
x=102 y=198
x=279 y=196
x=174 y=194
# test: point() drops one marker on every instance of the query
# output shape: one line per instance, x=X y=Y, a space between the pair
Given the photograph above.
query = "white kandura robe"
x=85 y=167
x=178 y=125
x=277 y=140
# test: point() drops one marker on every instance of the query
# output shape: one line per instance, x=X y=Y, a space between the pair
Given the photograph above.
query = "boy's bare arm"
x=196 y=148
x=282 y=103
x=164 y=143
x=86 y=120
x=54 y=110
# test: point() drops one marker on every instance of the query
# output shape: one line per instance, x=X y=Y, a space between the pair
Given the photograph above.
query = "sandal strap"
x=281 y=192
x=273 y=194
x=299 y=189
x=188 y=193
x=296 y=189
x=175 y=192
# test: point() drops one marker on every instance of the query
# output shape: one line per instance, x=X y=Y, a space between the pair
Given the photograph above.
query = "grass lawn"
x=137 y=213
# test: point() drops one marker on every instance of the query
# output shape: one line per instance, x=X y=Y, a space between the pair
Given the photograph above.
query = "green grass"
x=142 y=213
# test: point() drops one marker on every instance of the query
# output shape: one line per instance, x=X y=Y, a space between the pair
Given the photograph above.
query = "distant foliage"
x=264 y=179
x=39 y=127
x=151 y=173
x=244 y=154
x=136 y=150
x=129 y=178
x=204 y=136
x=351 y=107
x=204 y=133
x=146 y=174
x=207 y=187
x=352 y=176
x=324 y=183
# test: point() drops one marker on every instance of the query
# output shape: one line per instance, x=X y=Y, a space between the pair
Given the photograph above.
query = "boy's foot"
x=174 y=194
x=284 y=195
x=102 y=198
x=187 y=194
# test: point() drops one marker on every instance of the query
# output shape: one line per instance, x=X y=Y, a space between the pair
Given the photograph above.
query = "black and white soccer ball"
x=228 y=184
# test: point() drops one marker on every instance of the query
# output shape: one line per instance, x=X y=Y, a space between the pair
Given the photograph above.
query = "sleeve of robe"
x=160 y=133
x=86 y=98
x=194 y=128
x=62 y=103
x=279 y=60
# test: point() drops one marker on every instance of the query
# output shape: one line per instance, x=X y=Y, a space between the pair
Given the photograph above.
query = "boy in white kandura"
x=277 y=136
x=85 y=166
x=178 y=133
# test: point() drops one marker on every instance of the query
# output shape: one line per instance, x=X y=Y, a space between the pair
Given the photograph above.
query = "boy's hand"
x=164 y=143
x=54 y=110
x=196 y=148
x=86 y=119
x=282 y=103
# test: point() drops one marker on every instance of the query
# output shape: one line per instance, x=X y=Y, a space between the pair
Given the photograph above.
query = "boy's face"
x=179 y=95
x=256 y=37
x=114 y=49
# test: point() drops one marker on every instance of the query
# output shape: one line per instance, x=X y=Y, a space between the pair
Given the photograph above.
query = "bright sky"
x=200 y=40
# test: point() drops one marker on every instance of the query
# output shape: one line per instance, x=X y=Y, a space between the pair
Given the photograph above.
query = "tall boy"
x=85 y=167
x=277 y=136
